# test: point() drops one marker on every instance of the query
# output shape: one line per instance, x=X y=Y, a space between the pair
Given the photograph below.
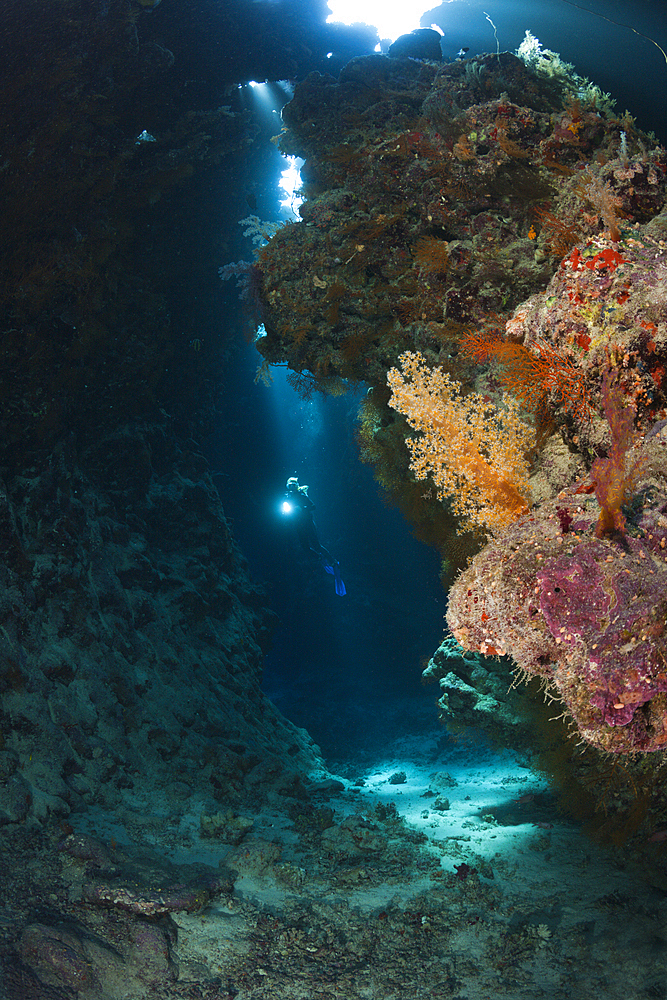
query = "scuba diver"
x=300 y=507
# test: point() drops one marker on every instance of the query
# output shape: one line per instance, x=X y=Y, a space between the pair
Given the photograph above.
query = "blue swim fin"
x=338 y=580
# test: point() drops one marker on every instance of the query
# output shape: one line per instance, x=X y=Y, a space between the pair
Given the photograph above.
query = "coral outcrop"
x=436 y=197
x=439 y=200
x=498 y=211
x=587 y=614
x=574 y=591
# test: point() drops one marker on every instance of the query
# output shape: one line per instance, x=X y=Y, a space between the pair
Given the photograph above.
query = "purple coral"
x=576 y=591
x=586 y=613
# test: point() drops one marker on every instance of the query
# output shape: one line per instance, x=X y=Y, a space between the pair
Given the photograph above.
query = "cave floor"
x=434 y=870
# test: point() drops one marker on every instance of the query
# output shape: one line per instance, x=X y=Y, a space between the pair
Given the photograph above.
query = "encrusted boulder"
x=587 y=614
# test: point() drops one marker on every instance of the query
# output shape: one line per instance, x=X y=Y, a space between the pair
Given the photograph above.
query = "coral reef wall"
x=574 y=591
x=498 y=211
x=131 y=635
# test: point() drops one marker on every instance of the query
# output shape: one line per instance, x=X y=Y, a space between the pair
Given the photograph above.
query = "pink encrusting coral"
x=587 y=614
x=575 y=591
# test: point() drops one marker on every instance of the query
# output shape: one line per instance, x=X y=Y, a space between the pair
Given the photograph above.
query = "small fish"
x=461 y=53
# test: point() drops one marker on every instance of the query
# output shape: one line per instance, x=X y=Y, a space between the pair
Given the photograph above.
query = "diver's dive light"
x=287 y=507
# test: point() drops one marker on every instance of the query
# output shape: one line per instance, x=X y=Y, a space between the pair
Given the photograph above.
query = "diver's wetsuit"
x=305 y=525
x=302 y=513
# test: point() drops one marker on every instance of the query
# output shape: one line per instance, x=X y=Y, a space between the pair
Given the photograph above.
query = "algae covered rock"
x=585 y=613
x=225 y=826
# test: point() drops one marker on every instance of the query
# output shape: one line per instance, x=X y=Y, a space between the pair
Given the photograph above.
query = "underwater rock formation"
x=574 y=591
x=587 y=614
x=423 y=190
x=131 y=634
x=474 y=692
x=441 y=202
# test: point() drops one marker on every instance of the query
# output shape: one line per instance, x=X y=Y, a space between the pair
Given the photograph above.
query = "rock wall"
x=130 y=632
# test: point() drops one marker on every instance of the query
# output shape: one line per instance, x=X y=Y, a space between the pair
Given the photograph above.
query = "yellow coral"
x=473 y=451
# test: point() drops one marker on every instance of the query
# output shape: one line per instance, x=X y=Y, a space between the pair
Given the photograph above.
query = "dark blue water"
x=328 y=651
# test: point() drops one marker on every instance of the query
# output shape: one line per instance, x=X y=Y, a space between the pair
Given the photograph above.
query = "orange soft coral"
x=474 y=452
